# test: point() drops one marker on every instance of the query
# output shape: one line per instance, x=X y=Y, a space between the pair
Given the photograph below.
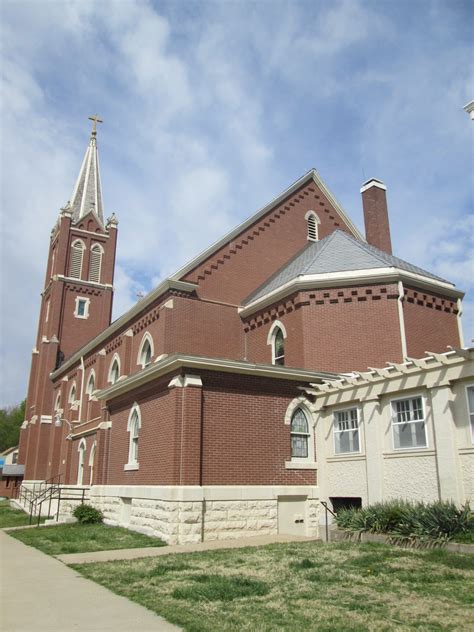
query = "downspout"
x=401 y=318
x=82 y=388
x=459 y=314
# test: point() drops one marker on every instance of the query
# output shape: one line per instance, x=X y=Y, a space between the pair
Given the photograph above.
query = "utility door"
x=292 y=515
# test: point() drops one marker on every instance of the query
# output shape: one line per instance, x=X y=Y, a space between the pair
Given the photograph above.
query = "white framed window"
x=409 y=424
x=77 y=257
x=81 y=460
x=346 y=431
x=470 y=408
x=91 y=462
x=312 y=226
x=114 y=371
x=133 y=427
x=145 y=353
x=276 y=338
x=90 y=388
x=95 y=263
x=82 y=307
x=301 y=436
x=57 y=403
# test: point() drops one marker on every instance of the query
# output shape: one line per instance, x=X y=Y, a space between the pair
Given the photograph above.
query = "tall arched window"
x=72 y=394
x=276 y=339
x=133 y=427
x=90 y=388
x=77 y=256
x=114 y=372
x=91 y=462
x=146 y=350
x=81 y=460
x=313 y=222
x=299 y=435
x=95 y=263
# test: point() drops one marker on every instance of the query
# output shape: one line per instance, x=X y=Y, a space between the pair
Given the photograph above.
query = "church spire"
x=87 y=193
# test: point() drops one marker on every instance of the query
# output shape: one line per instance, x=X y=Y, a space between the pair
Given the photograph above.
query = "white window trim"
x=334 y=431
x=91 y=461
x=86 y=307
x=146 y=336
x=72 y=390
x=309 y=461
x=133 y=465
x=57 y=403
x=115 y=359
x=469 y=412
x=271 y=337
x=73 y=248
x=82 y=461
x=425 y=420
x=317 y=221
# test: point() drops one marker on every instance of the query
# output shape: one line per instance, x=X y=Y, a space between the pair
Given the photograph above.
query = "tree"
x=11 y=419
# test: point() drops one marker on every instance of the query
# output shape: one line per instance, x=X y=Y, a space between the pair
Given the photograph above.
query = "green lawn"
x=81 y=538
x=13 y=517
x=300 y=586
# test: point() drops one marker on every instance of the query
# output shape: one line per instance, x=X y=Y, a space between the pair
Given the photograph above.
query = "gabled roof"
x=338 y=252
x=311 y=176
x=87 y=194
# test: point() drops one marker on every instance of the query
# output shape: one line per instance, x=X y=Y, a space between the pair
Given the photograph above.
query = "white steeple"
x=87 y=193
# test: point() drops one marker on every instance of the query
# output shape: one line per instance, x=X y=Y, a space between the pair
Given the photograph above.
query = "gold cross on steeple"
x=96 y=120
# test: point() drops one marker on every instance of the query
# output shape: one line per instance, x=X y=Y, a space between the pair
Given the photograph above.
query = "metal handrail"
x=326 y=508
x=59 y=497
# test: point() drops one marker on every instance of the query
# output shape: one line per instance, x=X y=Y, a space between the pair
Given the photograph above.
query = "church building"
x=283 y=366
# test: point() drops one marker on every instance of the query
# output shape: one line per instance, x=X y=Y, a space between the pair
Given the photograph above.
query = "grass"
x=81 y=538
x=13 y=517
x=300 y=586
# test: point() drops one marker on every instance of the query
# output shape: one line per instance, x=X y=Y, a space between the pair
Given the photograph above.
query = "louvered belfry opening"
x=95 y=264
x=77 y=255
x=312 y=228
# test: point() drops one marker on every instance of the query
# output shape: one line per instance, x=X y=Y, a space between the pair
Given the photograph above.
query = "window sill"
x=346 y=456
x=300 y=465
x=131 y=466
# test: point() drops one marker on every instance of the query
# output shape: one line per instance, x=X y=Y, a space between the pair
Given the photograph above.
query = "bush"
x=439 y=520
x=87 y=514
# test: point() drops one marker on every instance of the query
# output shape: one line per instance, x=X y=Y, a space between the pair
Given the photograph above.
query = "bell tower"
x=76 y=301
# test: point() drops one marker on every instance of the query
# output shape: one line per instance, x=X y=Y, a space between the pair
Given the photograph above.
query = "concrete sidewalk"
x=212 y=545
x=40 y=594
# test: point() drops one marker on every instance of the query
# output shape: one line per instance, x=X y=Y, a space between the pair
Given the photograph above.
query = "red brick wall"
x=430 y=322
x=340 y=329
x=241 y=266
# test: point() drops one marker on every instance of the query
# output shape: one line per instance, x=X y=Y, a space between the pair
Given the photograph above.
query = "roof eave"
x=340 y=279
x=311 y=175
x=175 y=362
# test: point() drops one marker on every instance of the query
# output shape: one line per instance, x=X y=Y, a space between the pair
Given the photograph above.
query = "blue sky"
x=213 y=108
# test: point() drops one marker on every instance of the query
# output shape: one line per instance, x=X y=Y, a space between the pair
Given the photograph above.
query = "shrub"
x=441 y=520
x=87 y=514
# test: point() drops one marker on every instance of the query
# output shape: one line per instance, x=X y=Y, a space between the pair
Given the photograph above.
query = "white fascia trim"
x=168 y=284
x=84 y=433
x=181 y=493
x=311 y=175
x=176 y=361
x=89 y=232
x=336 y=279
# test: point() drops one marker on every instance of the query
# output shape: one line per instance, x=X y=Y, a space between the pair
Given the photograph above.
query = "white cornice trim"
x=312 y=175
x=61 y=277
x=168 y=284
x=338 y=279
x=178 y=361
x=373 y=182
x=90 y=232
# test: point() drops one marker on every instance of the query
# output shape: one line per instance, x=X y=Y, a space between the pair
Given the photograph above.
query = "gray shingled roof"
x=87 y=193
x=338 y=252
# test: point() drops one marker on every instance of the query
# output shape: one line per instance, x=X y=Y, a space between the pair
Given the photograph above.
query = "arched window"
x=72 y=394
x=81 y=460
x=313 y=222
x=114 y=372
x=91 y=462
x=146 y=350
x=77 y=255
x=276 y=339
x=299 y=435
x=57 y=403
x=95 y=263
x=90 y=388
x=133 y=427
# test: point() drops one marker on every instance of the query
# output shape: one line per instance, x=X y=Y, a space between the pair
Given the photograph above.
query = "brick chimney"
x=377 y=227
